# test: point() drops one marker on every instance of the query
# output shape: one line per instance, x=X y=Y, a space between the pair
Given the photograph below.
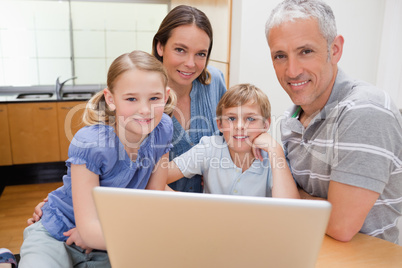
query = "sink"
x=78 y=95
x=35 y=96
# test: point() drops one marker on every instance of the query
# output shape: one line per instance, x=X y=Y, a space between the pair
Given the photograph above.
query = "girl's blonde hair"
x=242 y=94
x=97 y=112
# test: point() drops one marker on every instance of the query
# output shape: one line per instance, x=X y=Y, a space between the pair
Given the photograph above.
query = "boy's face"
x=240 y=125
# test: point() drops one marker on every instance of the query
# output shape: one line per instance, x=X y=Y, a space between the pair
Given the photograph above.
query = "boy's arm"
x=174 y=172
x=284 y=185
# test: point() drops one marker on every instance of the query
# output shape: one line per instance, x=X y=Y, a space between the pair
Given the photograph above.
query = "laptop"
x=162 y=229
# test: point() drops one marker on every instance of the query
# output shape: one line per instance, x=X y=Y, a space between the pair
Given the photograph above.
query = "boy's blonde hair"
x=97 y=112
x=241 y=94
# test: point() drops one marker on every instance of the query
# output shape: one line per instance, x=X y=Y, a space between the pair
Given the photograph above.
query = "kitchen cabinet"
x=5 y=144
x=34 y=132
x=69 y=122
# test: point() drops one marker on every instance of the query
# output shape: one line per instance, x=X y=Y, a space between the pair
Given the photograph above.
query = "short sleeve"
x=94 y=146
x=193 y=161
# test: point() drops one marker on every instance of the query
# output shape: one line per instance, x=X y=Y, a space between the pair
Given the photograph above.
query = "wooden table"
x=362 y=251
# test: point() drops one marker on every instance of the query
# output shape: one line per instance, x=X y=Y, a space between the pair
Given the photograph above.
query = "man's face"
x=303 y=65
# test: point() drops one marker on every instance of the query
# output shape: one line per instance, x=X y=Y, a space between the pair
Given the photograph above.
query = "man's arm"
x=350 y=206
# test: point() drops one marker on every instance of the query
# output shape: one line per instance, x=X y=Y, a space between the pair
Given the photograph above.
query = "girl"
x=183 y=44
x=125 y=144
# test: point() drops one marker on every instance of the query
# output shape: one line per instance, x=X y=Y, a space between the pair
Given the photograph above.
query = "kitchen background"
x=41 y=41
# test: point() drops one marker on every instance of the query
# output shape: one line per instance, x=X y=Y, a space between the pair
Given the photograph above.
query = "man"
x=343 y=138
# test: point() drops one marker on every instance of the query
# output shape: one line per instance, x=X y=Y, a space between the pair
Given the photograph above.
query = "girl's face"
x=184 y=55
x=240 y=125
x=139 y=98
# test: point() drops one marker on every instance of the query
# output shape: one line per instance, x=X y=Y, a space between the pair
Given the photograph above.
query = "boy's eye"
x=250 y=119
x=231 y=118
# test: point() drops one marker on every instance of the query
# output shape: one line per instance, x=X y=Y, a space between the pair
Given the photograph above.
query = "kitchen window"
x=43 y=40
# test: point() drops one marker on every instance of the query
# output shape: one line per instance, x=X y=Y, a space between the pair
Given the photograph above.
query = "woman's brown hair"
x=184 y=15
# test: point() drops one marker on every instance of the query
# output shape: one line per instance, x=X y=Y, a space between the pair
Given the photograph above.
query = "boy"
x=246 y=160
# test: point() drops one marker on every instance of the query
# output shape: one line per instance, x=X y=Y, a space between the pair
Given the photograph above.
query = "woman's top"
x=204 y=99
x=99 y=148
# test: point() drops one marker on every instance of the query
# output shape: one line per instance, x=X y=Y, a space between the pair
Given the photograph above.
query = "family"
x=167 y=122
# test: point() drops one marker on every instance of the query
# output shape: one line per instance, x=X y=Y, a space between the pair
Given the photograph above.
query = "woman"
x=183 y=44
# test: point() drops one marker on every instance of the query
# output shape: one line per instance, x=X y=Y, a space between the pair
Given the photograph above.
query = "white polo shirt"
x=211 y=159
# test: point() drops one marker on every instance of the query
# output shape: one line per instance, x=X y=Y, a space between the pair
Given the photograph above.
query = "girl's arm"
x=86 y=218
x=158 y=178
x=284 y=185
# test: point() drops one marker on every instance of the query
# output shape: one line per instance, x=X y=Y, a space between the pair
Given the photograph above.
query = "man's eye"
x=307 y=51
x=279 y=57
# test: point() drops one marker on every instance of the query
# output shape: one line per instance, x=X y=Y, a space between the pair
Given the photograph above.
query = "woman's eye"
x=179 y=49
x=202 y=55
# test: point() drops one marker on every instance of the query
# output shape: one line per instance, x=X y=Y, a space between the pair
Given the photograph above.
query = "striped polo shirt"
x=356 y=139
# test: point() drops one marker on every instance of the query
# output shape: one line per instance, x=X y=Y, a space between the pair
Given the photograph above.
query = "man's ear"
x=159 y=49
x=337 y=49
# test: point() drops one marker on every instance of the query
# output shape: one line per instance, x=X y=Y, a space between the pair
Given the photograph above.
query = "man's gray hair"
x=290 y=10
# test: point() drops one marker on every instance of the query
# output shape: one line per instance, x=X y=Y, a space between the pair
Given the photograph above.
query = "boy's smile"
x=240 y=125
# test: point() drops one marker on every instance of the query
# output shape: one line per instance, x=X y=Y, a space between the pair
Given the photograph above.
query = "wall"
x=360 y=23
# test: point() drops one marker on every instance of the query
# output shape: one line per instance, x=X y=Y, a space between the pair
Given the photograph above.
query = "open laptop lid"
x=144 y=228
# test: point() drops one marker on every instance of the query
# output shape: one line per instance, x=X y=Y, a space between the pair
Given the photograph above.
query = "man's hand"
x=75 y=238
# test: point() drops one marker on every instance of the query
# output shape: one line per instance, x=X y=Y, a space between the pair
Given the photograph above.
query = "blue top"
x=101 y=151
x=204 y=99
x=211 y=159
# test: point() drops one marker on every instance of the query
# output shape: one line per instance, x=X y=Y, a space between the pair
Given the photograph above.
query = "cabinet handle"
x=45 y=108
x=66 y=108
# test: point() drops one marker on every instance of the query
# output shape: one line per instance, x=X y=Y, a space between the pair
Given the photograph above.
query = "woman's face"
x=184 y=55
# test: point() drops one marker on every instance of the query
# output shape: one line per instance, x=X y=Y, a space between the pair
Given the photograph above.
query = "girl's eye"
x=154 y=98
x=131 y=99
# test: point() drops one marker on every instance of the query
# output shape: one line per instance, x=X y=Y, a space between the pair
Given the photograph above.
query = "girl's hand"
x=37 y=213
x=75 y=238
